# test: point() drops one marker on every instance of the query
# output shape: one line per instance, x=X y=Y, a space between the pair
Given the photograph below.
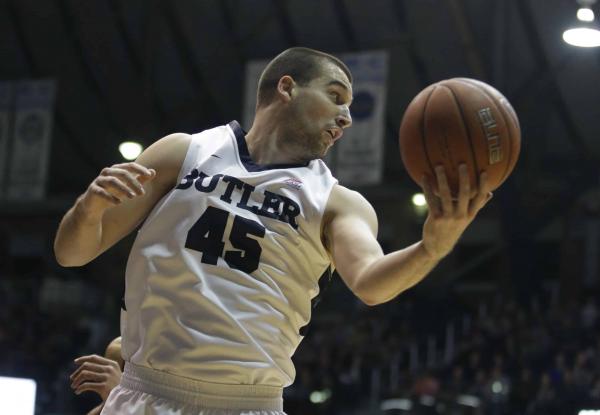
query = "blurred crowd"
x=494 y=357
x=490 y=355
x=46 y=321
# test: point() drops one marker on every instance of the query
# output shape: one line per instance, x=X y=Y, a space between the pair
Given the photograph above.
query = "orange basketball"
x=457 y=121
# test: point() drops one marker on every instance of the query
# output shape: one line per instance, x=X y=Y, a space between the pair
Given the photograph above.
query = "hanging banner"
x=359 y=154
x=5 y=119
x=356 y=159
x=34 y=101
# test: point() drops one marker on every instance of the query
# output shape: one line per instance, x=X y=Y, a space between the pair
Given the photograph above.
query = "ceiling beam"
x=281 y=11
x=473 y=54
x=231 y=27
x=343 y=18
x=418 y=64
x=194 y=72
x=89 y=75
x=143 y=63
x=33 y=70
x=545 y=66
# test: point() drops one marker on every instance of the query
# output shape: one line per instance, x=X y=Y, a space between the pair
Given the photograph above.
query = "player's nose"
x=344 y=120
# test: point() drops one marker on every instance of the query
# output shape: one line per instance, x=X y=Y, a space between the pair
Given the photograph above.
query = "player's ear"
x=285 y=88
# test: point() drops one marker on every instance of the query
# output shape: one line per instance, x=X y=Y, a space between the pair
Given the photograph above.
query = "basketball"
x=457 y=121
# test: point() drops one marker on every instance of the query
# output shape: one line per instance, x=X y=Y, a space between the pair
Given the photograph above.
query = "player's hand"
x=97 y=374
x=115 y=184
x=448 y=217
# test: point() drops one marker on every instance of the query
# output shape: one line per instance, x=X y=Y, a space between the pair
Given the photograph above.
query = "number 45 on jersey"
x=207 y=234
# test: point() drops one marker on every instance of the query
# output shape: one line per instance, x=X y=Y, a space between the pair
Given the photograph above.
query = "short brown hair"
x=302 y=64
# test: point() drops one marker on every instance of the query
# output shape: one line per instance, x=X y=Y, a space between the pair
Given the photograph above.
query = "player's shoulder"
x=172 y=146
x=166 y=156
x=178 y=139
x=172 y=139
x=344 y=201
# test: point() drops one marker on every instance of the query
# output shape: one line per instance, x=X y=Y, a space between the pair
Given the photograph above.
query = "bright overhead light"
x=130 y=150
x=583 y=37
x=418 y=199
x=320 y=396
x=585 y=14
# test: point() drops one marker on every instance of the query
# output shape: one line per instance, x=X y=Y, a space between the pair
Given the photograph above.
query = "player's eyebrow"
x=342 y=85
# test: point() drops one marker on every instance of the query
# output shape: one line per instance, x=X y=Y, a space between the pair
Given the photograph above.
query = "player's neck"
x=264 y=140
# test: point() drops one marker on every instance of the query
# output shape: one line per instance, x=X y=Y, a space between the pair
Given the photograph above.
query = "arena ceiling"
x=144 y=68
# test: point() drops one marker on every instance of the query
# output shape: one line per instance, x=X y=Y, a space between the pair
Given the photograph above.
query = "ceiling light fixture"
x=419 y=200
x=130 y=150
x=585 y=35
x=585 y=14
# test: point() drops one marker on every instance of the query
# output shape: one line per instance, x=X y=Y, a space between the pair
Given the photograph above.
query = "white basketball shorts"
x=145 y=391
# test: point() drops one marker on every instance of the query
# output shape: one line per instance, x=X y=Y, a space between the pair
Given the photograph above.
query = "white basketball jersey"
x=221 y=275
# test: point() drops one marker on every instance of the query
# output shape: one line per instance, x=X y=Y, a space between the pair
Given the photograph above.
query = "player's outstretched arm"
x=118 y=200
x=350 y=230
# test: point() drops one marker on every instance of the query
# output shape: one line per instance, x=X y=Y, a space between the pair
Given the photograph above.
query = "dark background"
x=520 y=292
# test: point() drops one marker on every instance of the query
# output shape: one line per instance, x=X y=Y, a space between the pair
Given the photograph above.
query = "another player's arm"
x=99 y=374
x=118 y=200
x=350 y=230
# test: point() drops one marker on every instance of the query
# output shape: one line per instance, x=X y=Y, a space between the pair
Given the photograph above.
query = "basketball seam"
x=431 y=169
x=510 y=141
x=462 y=116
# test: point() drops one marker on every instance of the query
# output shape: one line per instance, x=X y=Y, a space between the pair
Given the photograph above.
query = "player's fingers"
x=93 y=358
x=464 y=190
x=102 y=193
x=92 y=362
x=146 y=178
x=136 y=168
x=115 y=187
x=482 y=196
x=144 y=174
x=433 y=202
x=90 y=387
x=87 y=375
x=85 y=367
x=489 y=197
x=132 y=180
x=444 y=190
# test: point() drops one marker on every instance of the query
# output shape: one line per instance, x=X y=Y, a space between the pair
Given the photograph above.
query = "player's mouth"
x=335 y=133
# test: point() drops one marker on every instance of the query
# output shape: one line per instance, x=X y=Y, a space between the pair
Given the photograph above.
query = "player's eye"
x=336 y=96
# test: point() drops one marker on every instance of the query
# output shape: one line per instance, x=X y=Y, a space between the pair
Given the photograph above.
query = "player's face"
x=319 y=112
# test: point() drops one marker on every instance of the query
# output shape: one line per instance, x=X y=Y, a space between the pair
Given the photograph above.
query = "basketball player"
x=236 y=229
x=99 y=374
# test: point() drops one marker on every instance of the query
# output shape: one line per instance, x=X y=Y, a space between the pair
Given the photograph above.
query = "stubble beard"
x=302 y=138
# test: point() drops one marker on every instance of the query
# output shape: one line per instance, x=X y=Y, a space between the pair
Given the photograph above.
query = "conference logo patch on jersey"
x=295 y=183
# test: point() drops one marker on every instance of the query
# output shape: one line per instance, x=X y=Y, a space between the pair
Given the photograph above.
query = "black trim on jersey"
x=324 y=283
x=249 y=164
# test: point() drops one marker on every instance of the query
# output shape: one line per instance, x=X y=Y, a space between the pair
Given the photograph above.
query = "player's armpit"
x=350 y=236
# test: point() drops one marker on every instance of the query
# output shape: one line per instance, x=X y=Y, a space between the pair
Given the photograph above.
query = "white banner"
x=359 y=154
x=357 y=159
x=34 y=101
x=5 y=119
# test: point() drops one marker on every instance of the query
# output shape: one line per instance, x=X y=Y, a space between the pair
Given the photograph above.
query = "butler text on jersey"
x=274 y=205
